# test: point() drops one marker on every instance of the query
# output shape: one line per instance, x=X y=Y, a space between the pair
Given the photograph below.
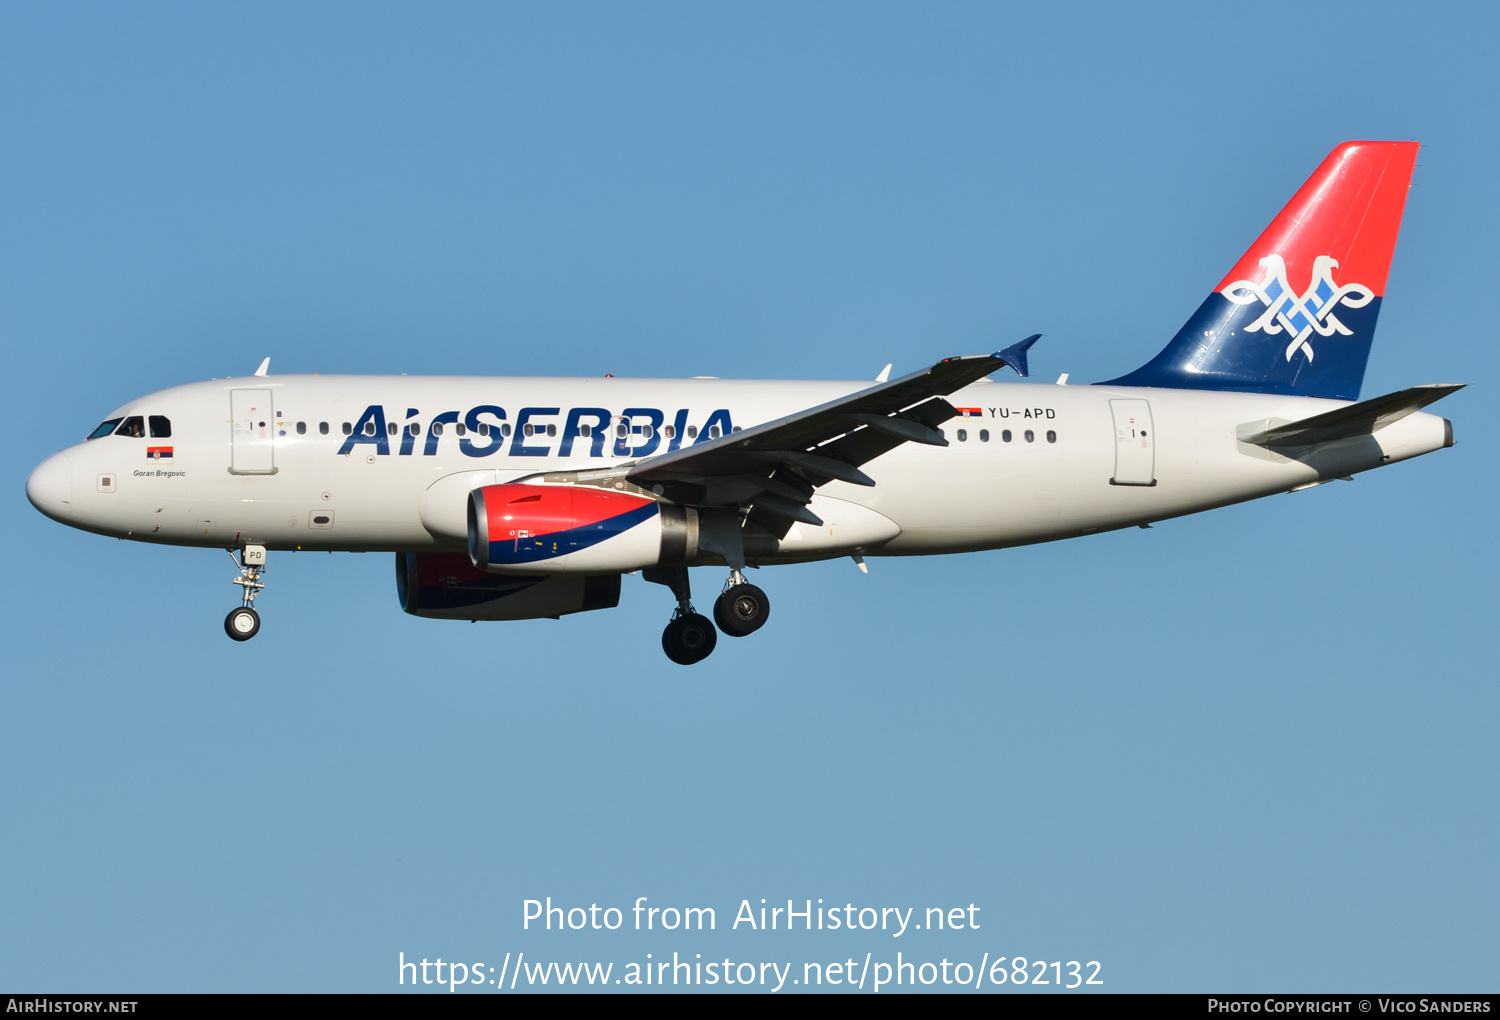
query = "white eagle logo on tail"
x=1299 y=316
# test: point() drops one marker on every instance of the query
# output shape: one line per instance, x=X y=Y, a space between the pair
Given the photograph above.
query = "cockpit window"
x=105 y=428
x=134 y=427
x=161 y=427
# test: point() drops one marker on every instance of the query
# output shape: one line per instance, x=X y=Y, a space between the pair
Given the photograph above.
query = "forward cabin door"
x=252 y=427
x=1135 y=442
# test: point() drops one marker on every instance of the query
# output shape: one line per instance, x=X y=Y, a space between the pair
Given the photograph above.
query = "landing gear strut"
x=690 y=637
x=742 y=608
x=243 y=623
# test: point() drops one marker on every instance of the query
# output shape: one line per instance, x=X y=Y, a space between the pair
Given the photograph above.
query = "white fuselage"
x=230 y=480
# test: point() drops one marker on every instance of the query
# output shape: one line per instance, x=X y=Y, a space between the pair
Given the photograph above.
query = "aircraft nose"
x=50 y=487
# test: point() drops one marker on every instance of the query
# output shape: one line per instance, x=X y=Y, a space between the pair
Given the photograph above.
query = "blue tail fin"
x=1297 y=313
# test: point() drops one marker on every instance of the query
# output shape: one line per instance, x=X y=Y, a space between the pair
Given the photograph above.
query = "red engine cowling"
x=445 y=586
x=575 y=529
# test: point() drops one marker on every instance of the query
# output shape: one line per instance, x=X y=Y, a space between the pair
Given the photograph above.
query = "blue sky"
x=1252 y=749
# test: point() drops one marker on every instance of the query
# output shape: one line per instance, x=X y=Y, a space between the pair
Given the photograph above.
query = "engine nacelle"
x=446 y=586
x=575 y=529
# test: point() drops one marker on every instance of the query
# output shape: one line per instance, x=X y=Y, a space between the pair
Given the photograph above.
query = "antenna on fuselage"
x=265 y=366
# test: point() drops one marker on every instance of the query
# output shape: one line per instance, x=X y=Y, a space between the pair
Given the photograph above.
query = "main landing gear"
x=689 y=637
x=243 y=623
x=742 y=609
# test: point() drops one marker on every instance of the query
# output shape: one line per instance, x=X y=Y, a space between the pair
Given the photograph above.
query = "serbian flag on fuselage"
x=159 y=454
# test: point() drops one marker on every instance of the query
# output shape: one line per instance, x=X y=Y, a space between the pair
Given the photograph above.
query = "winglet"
x=1015 y=354
x=265 y=366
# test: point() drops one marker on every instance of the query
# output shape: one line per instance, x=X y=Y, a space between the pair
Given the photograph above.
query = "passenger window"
x=134 y=427
x=369 y=428
x=415 y=428
x=963 y=435
x=669 y=431
x=735 y=429
x=105 y=428
x=647 y=431
x=302 y=428
x=552 y=430
x=1030 y=436
x=1051 y=436
x=461 y=429
x=348 y=429
x=437 y=428
x=529 y=430
x=714 y=432
x=1005 y=436
x=984 y=435
x=390 y=429
x=692 y=432
x=161 y=428
x=585 y=431
x=504 y=428
x=622 y=430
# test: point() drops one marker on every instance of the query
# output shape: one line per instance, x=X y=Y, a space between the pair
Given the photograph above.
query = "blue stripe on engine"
x=560 y=543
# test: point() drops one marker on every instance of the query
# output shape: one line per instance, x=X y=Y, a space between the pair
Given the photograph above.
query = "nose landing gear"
x=243 y=623
x=742 y=608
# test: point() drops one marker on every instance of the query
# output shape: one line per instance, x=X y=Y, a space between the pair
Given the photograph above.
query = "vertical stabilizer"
x=1297 y=313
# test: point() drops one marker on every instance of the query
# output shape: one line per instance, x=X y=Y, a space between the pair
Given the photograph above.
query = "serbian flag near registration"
x=970 y=412
x=159 y=454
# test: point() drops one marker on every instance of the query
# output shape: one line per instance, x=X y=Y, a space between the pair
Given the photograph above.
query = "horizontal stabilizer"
x=1359 y=419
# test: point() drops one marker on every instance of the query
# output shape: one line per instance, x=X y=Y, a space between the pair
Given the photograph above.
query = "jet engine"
x=445 y=586
x=575 y=529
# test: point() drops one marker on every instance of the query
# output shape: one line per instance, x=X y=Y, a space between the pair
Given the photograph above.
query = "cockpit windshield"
x=135 y=426
x=105 y=428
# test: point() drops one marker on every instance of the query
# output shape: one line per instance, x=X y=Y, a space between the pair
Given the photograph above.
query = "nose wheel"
x=742 y=608
x=243 y=623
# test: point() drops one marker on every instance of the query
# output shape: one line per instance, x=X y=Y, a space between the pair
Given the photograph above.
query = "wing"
x=774 y=468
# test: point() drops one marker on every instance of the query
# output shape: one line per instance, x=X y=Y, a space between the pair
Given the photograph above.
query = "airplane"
x=522 y=498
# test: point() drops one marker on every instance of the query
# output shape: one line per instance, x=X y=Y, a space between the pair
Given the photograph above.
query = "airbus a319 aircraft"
x=519 y=498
